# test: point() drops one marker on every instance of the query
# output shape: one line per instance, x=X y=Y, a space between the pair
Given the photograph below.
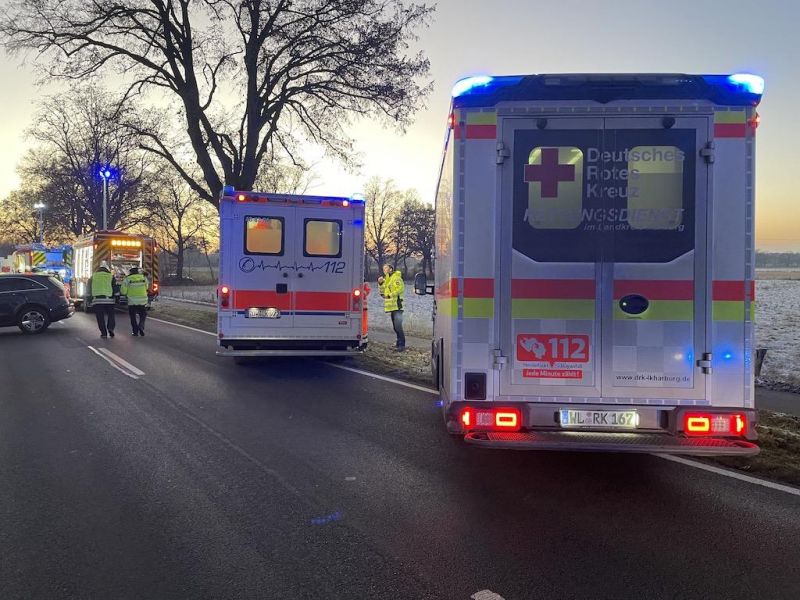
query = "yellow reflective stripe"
x=478 y=308
x=660 y=310
x=447 y=307
x=38 y=257
x=552 y=309
x=482 y=118
x=730 y=116
x=731 y=310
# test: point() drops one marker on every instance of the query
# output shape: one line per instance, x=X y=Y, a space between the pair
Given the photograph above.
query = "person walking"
x=102 y=291
x=134 y=286
x=393 y=288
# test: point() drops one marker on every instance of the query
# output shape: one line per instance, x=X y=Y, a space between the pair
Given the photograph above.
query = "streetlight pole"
x=40 y=206
x=105 y=173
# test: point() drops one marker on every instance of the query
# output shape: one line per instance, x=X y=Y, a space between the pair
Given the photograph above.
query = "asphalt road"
x=187 y=476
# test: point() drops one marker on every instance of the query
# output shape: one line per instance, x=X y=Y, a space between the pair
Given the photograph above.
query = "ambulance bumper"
x=577 y=441
x=296 y=348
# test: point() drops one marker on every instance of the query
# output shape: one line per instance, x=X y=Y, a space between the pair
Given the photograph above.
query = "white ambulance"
x=595 y=263
x=291 y=275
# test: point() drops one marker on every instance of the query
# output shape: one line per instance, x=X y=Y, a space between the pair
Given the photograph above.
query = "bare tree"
x=179 y=219
x=284 y=177
x=415 y=231
x=303 y=66
x=383 y=200
x=78 y=132
x=18 y=221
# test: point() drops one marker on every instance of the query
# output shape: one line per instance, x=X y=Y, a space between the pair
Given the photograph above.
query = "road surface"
x=177 y=474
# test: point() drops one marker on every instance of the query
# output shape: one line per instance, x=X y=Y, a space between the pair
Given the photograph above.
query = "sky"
x=530 y=36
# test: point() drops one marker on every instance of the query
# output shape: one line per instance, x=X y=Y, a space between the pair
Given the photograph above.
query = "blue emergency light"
x=752 y=84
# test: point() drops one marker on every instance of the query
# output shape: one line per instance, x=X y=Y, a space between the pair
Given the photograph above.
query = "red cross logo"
x=549 y=173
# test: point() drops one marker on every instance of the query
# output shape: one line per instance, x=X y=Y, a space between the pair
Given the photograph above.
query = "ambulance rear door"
x=604 y=274
x=263 y=263
x=326 y=269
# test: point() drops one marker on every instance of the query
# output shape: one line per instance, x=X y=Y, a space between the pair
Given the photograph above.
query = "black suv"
x=32 y=302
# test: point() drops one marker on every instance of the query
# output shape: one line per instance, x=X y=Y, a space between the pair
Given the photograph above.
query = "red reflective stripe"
x=730 y=130
x=553 y=288
x=339 y=301
x=448 y=289
x=258 y=298
x=662 y=289
x=478 y=288
x=732 y=290
x=481 y=132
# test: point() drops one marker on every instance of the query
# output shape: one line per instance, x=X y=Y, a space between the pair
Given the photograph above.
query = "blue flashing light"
x=464 y=86
x=227 y=191
x=358 y=222
x=727 y=355
x=752 y=84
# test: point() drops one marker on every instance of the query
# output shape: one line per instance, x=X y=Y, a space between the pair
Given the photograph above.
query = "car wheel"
x=33 y=320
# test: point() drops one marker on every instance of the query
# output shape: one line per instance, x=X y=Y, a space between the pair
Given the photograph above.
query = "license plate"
x=610 y=419
x=263 y=313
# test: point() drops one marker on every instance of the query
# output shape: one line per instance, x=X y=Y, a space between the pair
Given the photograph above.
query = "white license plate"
x=263 y=313
x=607 y=419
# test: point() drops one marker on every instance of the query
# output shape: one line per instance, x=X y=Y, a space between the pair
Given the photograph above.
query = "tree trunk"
x=179 y=260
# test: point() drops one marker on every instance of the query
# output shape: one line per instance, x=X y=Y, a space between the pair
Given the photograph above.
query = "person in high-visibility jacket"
x=102 y=291
x=134 y=286
x=393 y=288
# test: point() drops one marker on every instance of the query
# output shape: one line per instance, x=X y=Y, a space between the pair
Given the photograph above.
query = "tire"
x=33 y=320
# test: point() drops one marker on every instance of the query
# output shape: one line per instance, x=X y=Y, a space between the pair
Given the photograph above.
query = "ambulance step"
x=652 y=443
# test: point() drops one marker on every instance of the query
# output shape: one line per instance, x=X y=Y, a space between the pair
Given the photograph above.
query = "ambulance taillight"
x=711 y=424
x=224 y=296
x=491 y=419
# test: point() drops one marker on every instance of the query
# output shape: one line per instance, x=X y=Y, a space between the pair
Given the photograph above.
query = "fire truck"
x=121 y=251
x=291 y=278
x=594 y=284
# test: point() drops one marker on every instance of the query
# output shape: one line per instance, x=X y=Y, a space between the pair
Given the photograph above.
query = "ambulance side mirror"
x=421 y=287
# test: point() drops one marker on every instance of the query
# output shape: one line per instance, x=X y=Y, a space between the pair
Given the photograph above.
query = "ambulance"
x=594 y=284
x=291 y=275
x=121 y=251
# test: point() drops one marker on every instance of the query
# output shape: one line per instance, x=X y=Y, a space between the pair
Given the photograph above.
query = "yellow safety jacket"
x=102 y=287
x=393 y=290
x=135 y=288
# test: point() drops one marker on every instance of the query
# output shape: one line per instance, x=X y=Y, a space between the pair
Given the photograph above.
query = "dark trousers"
x=134 y=312
x=106 y=321
x=397 y=324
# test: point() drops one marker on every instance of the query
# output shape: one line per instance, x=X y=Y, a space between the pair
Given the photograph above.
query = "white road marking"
x=149 y=318
x=728 y=473
x=112 y=363
x=122 y=362
x=413 y=386
x=486 y=595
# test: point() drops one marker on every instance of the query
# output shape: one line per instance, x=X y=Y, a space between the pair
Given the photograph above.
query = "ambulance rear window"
x=322 y=238
x=263 y=235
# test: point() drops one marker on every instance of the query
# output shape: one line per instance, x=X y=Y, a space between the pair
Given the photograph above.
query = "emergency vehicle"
x=594 y=281
x=121 y=251
x=291 y=275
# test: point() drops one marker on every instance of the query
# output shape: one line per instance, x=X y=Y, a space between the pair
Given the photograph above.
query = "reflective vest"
x=102 y=286
x=135 y=288
x=393 y=290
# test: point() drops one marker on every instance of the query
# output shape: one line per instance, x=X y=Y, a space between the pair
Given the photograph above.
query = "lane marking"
x=728 y=473
x=112 y=363
x=149 y=318
x=486 y=595
x=413 y=386
x=122 y=361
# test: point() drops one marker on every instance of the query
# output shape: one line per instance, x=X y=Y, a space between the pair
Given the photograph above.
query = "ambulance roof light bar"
x=229 y=193
x=738 y=89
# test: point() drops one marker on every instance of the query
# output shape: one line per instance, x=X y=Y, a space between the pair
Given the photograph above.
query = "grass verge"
x=779 y=434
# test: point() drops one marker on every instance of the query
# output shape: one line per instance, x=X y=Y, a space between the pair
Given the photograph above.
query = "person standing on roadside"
x=392 y=288
x=102 y=290
x=134 y=286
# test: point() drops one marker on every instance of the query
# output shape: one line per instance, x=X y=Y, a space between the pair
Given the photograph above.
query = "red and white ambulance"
x=595 y=263
x=291 y=275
